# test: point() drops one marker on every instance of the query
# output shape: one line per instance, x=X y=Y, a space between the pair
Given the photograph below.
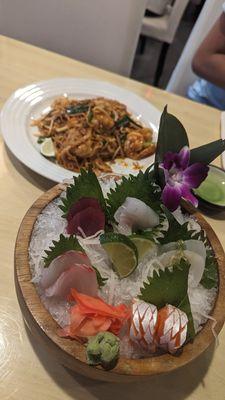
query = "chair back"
x=176 y=12
x=164 y=27
x=159 y=6
x=99 y=32
x=182 y=75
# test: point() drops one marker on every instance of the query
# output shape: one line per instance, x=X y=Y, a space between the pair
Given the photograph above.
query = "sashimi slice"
x=81 y=204
x=87 y=222
x=195 y=252
x=135 y=214
x=61 y=264
x=196 y=260
x=78 y=276
x=197 y=246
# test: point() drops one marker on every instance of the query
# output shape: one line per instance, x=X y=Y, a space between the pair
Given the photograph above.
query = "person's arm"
x=209 y=60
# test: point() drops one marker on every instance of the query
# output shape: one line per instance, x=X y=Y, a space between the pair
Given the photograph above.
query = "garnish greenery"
x=139 y=187
x=167 y=286
x=170 y=286
x=210 y=274
x=208 y=152
x=85 y=185
x=101 y=281
x=61 y=246
x=177 y=232
x=172 y=136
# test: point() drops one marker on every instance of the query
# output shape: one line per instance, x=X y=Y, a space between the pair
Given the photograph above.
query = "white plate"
x=31 y=101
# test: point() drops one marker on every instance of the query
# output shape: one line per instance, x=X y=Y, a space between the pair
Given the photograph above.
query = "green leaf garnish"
x=208 y=152
x=170 y=286
x=210 y=274
x=61 y=246
x=85 y=185
x=186 y=307
x=139 y=187
x=101 y=281
x=176 y=231
x=172 y=136
x=167 y=286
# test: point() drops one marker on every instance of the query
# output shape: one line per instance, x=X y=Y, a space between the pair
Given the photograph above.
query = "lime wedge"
x=121 y=251
x=47 y=148
x=143 y=245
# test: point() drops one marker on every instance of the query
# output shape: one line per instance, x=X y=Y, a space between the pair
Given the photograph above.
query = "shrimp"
x=138 y=144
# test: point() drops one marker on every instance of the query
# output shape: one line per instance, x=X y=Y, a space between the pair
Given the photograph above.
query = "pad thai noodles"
x=93 y=132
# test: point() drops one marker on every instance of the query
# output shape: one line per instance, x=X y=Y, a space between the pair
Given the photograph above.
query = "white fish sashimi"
x=194 y=251
x=197 y=246
x=61 y=264
x=196 y=269
x=80 y=277
x=134 y=213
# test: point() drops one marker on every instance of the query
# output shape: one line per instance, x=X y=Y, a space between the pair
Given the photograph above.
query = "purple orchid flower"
x=181 y=178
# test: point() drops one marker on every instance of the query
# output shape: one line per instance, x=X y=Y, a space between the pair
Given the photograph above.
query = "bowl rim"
x=71 y=353
x=206 y=203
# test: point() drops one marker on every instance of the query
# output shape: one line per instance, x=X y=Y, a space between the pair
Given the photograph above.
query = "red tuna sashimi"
x=81 y=204
x=90 y=220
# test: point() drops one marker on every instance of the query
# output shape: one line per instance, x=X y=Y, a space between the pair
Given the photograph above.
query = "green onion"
x=146 y=144
x=90 y=115
x=124 y=121
x=80 y=108
x=41 y=139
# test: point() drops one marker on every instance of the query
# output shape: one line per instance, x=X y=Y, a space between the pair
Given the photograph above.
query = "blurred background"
x=152 y=41
x=150 y=46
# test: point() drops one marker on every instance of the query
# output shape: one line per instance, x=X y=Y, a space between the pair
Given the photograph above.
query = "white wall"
x=99 y=32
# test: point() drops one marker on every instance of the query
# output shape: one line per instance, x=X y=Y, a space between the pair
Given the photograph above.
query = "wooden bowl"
x=71 y=353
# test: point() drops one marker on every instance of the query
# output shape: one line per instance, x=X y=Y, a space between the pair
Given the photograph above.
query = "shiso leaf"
x=172 y=136
x=85 y=184
x=140 y=187
x=186 y=307
x=176 y=231
x=208 y=152
x=101 y=281
x=170 y=286
x=210 y=274
x=61 y=246
x=167 y=286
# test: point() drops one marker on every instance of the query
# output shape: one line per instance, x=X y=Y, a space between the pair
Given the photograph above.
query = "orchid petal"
x=166 y=173
x=184 y=157
x=171 y=196
x=187 y=195
x=168 y=160
x=194 y=175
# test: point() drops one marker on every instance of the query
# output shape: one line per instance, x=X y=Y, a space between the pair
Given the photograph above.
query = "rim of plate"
x=24 y=103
